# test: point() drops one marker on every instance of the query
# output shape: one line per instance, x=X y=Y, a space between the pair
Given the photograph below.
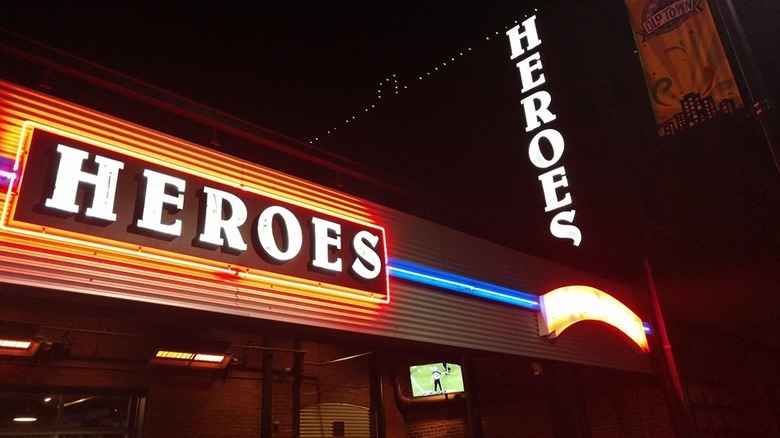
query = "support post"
x=266 y=418
x=377 y=409
x=474 y=414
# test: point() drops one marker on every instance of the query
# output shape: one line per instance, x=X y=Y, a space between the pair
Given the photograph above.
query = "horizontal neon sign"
x=79 y=190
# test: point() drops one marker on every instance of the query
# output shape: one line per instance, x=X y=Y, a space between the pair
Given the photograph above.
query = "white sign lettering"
x=222 y=215
x=156 y=198
x=216 y=225
x=70 y=175
x=293 y=232
x=536 y=108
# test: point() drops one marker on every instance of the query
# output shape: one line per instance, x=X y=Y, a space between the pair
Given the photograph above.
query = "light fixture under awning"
x=193 y=357
x=18 y=339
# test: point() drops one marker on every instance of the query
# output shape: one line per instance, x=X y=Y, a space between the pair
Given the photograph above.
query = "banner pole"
x=762 y=106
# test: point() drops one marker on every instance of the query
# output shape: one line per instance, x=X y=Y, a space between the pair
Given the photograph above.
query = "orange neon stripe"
x=247 y=276
x=169 y=273
x=182 y=285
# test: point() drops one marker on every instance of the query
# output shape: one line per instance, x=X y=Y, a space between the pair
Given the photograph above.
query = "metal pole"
x=662 y=335
x=762 y=106
x=474 y=414
x=377 y=398
x=681 y=412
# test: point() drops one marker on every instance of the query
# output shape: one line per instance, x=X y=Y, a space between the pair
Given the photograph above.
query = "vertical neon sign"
x=536 y=107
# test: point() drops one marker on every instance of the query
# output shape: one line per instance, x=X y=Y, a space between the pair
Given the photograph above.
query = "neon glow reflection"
x=7 y=171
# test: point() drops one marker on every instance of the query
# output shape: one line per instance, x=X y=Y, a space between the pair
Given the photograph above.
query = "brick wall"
x=619 y=404
x=512 y=399
x=198 y=407
x=436 y=423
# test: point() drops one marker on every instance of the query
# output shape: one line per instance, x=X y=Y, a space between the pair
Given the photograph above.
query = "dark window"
x=63 y=414
x=338 y=428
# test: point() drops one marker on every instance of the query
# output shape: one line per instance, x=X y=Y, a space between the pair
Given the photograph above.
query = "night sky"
x=703 y=206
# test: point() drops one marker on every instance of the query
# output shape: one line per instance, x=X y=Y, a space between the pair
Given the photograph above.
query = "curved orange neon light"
x=568 y=305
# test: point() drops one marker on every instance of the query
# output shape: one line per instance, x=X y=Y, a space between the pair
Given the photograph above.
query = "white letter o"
x=535 y=154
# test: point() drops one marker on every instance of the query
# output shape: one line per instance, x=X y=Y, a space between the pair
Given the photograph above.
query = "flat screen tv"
x=435 y=379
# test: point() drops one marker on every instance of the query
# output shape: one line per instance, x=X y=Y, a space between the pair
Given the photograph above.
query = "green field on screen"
x=423 y=383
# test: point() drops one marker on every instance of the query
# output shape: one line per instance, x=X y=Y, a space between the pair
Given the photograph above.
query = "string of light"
x=393 y=86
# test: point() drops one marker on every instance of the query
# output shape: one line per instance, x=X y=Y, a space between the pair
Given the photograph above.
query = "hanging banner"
x=688 y=76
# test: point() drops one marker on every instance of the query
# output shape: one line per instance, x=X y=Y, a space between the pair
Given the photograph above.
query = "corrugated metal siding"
x=427 y=243
x=317 y=420
x=414 y=312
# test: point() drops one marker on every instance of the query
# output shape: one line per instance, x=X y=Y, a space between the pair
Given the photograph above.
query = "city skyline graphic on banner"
x=688 y=75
